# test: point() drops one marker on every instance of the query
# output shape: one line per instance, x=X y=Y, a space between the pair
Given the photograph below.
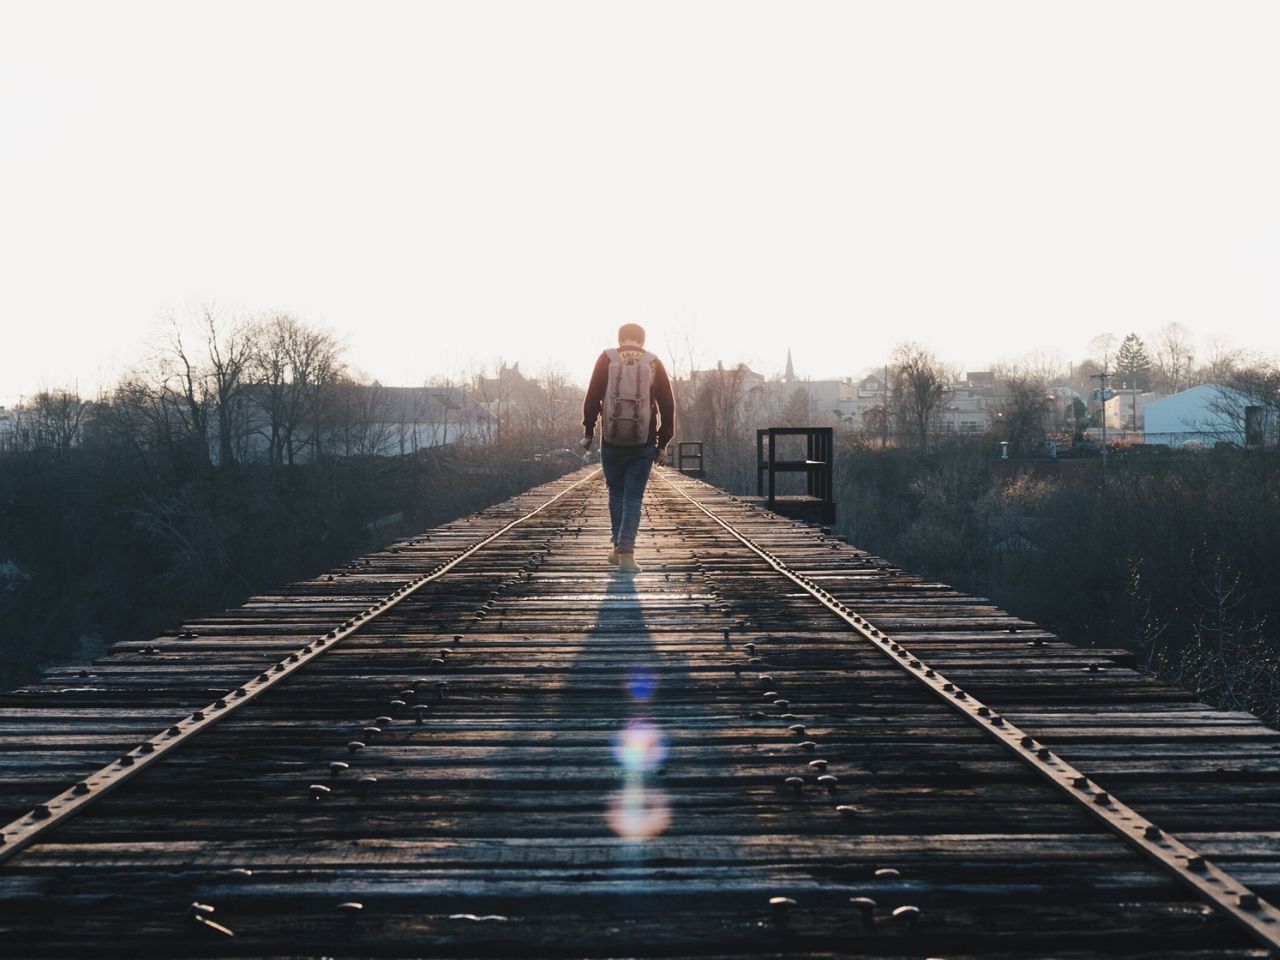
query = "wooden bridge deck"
x=544 y=758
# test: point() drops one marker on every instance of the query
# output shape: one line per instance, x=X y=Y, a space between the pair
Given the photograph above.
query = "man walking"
x=631 y=394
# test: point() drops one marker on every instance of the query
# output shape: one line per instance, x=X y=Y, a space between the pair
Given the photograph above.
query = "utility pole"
x=1102 y=379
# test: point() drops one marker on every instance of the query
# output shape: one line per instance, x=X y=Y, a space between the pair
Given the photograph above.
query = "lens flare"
x=640 y=747
x=641 y=685
x=638 y=813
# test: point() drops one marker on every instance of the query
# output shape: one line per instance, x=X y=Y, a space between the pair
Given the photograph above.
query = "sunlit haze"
x=447 y=185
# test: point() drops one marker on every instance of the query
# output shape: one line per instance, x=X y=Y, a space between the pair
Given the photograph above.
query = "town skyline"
x=1045 y=360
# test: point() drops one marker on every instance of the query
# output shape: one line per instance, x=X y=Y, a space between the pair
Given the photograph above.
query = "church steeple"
x=791 y=368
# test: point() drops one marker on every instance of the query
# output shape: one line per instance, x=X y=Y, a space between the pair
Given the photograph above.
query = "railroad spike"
x=908 y=914
x=865 y=905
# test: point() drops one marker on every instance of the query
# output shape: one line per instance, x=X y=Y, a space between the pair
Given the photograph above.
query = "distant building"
x=509 y=388
x=1063 y=407
x=740 y=375
x=415 y=418
x=752 y=398
x=373 y=420
x=1209 y=414
x=828 y=399
x=862 y=405
x=1126 y=410
x=969 y=405
x=981 y=381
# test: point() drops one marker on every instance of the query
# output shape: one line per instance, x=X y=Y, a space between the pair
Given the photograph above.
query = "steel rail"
x=26 y=830
x=1219 y=888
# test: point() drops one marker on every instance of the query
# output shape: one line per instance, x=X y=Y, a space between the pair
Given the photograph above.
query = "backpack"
x=627 y=409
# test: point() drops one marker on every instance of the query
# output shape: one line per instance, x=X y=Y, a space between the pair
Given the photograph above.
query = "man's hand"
x=585 y=444
x=661 y=458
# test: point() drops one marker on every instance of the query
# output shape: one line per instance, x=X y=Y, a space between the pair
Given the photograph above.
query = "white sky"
x=445 y=184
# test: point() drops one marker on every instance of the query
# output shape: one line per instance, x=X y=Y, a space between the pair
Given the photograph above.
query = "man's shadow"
x=618 y=689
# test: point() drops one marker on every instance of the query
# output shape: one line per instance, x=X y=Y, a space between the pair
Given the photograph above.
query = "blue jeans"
x=626 y=473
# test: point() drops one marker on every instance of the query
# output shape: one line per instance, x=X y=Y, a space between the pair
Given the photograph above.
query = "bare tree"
x=229 y=345
x=1143 y=630
x=875 y=421
x=561 y=405
x=716 y=408
x=1023 y=409
x=292 y=367
x=1257 y=390
x=1174 y=357
x=494 y=394
x=1047 y=366
x=139 y=415
x=1102 y=349
x=54 y=419
x=439 y=411
x=1221 y=363
x=361 y=418
x=1229 y=660
x=184 y=387
x=921 y=386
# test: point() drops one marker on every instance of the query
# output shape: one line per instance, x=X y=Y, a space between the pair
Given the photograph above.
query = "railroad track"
x=483 y=742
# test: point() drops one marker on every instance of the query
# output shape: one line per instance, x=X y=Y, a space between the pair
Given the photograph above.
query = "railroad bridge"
x=482 y=741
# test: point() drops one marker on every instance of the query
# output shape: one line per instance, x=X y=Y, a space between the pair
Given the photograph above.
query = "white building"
x=1209 y=414
x=968 y=407
x=1126 y=410
x=826 y=400
x=862 y=405
x=373 y=420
